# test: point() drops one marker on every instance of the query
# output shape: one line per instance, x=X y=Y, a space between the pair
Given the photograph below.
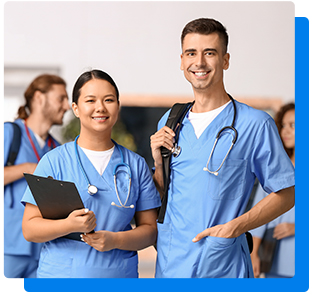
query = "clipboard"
x=55 y=199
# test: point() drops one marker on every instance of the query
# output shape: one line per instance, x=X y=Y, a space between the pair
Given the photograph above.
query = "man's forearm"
x=159 y=180
x=269 y=208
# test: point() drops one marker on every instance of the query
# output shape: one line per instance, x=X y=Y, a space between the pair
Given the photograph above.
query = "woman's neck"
x=96 y=142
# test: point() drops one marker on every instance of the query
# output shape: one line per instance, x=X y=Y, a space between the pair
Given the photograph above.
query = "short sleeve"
x=149 y=197
x=270 y=162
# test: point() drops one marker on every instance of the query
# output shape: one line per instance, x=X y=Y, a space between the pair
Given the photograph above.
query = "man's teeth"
x=200 y=73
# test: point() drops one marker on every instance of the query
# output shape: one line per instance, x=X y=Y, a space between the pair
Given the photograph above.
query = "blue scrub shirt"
x=284 y=257
x=14 y=242
x=68 y=258
x=198 y=200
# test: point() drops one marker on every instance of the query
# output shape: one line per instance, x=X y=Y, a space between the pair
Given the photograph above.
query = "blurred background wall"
x=138 y=44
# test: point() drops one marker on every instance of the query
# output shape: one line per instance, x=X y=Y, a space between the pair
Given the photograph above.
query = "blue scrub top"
x=14 y=242
x=198 y=200
x=67 y=258
x=284 y=257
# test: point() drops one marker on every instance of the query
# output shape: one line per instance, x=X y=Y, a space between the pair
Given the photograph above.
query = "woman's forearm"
x=38 y=230
x=136 y=239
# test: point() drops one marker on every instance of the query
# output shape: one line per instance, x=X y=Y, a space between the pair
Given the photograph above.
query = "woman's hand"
x=283 y=230
x=101 y=241
x=81 y=221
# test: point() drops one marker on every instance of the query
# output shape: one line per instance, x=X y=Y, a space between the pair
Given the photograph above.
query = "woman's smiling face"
x=97 y=106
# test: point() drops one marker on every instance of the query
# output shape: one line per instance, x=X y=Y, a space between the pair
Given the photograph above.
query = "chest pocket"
x=229 y=184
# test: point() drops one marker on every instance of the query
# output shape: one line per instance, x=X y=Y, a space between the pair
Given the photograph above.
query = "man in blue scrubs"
x=203 y=233
x=46 y=102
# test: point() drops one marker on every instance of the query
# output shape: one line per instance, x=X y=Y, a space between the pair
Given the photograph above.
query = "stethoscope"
x=92 y=189
x=176 y=150
x=224 y=129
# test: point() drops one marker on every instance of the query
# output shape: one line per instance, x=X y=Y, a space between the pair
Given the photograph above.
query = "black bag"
x=15 y=145
x=266 y=250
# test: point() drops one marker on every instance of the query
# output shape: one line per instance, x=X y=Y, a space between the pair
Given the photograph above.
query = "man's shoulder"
x=251 y=114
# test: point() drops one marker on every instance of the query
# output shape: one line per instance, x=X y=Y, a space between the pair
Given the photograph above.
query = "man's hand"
x=222 y=230
x=163 y=137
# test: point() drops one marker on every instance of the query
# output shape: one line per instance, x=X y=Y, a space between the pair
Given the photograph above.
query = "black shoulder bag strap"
x=15 y=145
x=13 y=152
x=176 y=116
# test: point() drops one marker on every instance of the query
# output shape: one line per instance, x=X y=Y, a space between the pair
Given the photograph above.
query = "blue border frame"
x=299 y=283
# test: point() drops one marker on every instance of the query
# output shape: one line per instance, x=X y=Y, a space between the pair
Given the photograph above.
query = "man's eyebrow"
x=211 y=49
x=205 y=50
x=190 y=50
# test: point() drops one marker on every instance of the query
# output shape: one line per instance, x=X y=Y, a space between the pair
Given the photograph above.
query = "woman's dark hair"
x=206 y=26
x=42 y=83
x=87 y=76
x=278 y=120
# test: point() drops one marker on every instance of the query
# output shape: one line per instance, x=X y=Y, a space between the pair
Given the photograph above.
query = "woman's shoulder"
x=62 y=151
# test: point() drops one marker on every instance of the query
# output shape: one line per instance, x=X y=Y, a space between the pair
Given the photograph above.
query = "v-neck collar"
x=104 y=181
x=210 y=133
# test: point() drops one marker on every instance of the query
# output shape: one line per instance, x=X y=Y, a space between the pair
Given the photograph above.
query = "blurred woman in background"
x=283 y=264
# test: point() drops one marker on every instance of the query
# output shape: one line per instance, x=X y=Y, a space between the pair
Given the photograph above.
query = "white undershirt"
x=99 y=159
x=41 y=142
x=200 y=121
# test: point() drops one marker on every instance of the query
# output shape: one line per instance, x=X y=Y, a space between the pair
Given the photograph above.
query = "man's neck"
x=207 y=101
x=39 y=125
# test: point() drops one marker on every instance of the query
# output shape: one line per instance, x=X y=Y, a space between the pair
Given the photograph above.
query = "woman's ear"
x=75 y=110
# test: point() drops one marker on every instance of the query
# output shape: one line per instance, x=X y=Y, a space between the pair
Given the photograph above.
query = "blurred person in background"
x=283 y=264
x=46 y=102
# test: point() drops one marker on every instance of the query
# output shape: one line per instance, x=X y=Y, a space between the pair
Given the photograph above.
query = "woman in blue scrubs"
x=111 y=251
x=46 y=101
x=283 y=264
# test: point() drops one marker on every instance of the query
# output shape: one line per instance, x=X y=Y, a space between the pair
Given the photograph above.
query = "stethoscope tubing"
x=94 y=189
x=235 y=137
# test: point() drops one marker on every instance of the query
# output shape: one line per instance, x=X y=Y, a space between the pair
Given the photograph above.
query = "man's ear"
x=38 y=101
x=226 y=61
x=181 y=65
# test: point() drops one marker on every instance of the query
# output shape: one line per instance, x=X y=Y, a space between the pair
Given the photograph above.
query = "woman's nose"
x=100 y=106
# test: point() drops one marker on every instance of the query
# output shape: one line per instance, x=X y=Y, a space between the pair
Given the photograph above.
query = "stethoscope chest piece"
x=176 y=150
x=92 y=189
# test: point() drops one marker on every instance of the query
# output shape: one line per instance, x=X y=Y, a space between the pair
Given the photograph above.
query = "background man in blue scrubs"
x=46 y=101
x=203 y=233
